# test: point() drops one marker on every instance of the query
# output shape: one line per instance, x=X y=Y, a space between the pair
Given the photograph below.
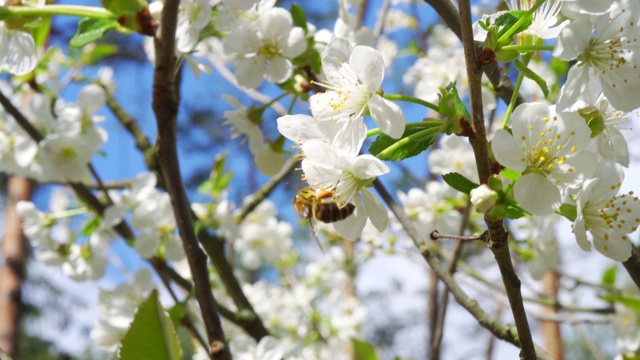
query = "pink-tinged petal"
x=368 y=166
x=387 y=115
x=351 y=227
x=376 y=210
x=21 y=57
x=279 y=70
x=250 y=72
x=536 y=194
x=614 y=248
x=508 y=151
x=299 y=128
x=573 y=39
x=368 y=66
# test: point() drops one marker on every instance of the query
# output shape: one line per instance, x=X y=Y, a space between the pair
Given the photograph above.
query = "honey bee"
x=320 y=204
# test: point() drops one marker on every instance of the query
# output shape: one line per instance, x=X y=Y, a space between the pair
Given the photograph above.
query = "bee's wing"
x=315 y=236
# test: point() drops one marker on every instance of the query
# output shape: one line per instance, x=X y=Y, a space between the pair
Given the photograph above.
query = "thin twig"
x=498 y=239
x=435 y=235
x=428 y=251
x=165 y=107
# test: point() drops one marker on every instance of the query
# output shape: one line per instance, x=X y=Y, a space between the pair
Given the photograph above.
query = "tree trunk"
x=12 y=268
x=551 y=329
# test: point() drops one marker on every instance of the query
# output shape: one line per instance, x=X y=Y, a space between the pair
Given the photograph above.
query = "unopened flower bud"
x=483 y=198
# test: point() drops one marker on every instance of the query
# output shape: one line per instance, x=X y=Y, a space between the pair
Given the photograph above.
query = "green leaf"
x=459 y=182
x=533 y=76
x=414 y=141
x=629 y=302
x=510 y=174
x=91 y=30
x=513 y=212
x=299 y=18
x=508 y=20
x=609 y=276
x=41 y=32
x=569 y=211
x=91 y=226
x=363 y=350
x=120 y=7
x=151 y=335
x=454 y=110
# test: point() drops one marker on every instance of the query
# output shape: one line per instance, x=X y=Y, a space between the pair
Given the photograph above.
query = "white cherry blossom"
x=348 y=175
x=607 y=50
x=609 y=217
x=342 y=134
x=353 y=80
x=265 y=52
x=17 y=51
x=547 y=148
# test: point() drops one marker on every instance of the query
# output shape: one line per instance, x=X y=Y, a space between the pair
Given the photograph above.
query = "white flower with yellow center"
x=353 y=80
x=607 y=50
x=609 y=217
x=547 y=148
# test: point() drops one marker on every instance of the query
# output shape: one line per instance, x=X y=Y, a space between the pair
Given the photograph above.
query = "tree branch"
x=165 y=107
x=428 y=250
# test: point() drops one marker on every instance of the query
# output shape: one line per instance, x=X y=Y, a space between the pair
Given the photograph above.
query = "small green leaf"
x=510 y=174
x=91 y=30
x=454 y=110
x=412 y=143
x=363 y=350
x=508 y=20
x=299 y=18
x=568 y=211
x=151 y=335
x=609 y=276
x=512 y=212
x=533 y=76
x=459 y=182
x=629 y=302
x=120 y=7
x=91 y=226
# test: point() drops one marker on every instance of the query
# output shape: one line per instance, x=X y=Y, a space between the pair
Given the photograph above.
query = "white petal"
x=573 y=39
x=613 y=146
x=616 y=249
x=21 y=57
x=507 y=151
x=334 y=55
x=376 y=210
x=582 y=165
x=279 y=70
x=581 y=234
x=368 y=166
x=387 y=115
x=368 y=66
x=351 y=227
x=296 y=43
x=250 y=72
x=242 y=41
x=268 y=161
x=345 y=134
x=299 y=128
x=147 y=244
x=536 y=194
x=578 y=80
x=91 y=98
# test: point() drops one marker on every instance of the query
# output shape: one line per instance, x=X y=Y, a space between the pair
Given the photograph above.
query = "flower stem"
x=404 y=141
x=430 y=123
x=528 y=48
x=93 y=12
x=521 y=21
x=415 y=100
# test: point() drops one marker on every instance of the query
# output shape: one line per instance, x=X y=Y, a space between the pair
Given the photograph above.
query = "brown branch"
x=213 y=245
x=503 y=86
x=551 y=332
x=498 y=236
x=428 y=252
x=165 y=107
